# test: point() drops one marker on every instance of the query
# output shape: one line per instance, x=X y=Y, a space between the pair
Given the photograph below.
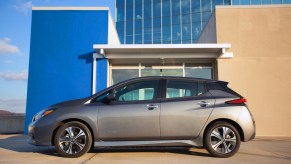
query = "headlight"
x=42 y=114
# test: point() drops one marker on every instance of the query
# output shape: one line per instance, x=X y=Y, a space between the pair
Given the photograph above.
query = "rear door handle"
x=203 y=103
x=152 y=107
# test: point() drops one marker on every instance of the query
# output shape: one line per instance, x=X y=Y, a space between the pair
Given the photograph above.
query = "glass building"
x=169 y=21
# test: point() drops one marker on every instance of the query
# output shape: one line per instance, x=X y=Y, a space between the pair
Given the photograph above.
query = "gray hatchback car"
x=148 y=111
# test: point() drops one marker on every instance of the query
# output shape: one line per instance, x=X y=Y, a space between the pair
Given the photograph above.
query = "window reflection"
x=191 y=70
x=119 y=75
x=199 y=71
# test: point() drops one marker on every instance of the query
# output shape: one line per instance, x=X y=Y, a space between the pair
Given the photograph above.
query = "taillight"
x=237 y=101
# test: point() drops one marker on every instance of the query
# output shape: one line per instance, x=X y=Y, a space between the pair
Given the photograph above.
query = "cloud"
x=7 y=48
x=9 y=62
x=13 y=105
x=23 y=7
x=14 y=76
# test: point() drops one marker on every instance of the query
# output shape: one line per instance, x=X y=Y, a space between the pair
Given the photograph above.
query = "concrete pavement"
x=14 y=149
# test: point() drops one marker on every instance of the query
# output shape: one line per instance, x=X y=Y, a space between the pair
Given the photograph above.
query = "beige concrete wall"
x=261 y=68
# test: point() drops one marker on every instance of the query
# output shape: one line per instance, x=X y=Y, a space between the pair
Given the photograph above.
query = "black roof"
x=158 y=77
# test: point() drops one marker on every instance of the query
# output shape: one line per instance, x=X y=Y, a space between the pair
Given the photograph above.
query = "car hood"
x=70 y=103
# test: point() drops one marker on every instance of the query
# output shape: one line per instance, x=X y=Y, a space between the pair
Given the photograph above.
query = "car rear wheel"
x=222 y=140
x=73 y=139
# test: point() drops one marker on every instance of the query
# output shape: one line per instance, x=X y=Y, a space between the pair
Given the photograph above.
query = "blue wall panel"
x=60 y=64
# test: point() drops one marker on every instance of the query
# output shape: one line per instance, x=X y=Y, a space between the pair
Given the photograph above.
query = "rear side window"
x=179 y=88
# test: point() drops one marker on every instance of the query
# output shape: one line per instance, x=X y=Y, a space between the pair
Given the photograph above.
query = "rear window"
x=221 y=86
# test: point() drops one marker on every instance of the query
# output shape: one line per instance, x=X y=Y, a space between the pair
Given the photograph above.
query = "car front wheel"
x=73 y=139
x=222 y=140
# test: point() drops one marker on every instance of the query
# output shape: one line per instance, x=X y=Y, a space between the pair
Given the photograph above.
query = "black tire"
x=73 y=146
x=225 y=146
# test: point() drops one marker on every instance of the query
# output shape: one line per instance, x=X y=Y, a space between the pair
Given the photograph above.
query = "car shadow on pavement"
x=175 y=150
x=18 y=143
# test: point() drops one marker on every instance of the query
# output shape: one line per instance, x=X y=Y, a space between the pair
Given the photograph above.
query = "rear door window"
x=180 y=88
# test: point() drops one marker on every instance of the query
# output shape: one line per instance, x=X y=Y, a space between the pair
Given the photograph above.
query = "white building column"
x=95 y=55
x=94 y=68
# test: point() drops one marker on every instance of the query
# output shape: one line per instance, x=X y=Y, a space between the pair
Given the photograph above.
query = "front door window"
x=142 y=90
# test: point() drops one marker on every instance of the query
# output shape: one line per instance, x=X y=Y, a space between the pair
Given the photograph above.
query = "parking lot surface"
x=15 y=149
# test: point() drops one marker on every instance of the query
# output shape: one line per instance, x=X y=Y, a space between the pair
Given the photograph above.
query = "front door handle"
x=203 y=103
x=152 y=107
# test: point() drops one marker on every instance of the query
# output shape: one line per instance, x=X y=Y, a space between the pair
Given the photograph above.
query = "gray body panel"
x=43 y=128
x=236 y=113
x=247 y=123
x=145 y=143
x=128 y=122
x=177 y=122
x=184 y=119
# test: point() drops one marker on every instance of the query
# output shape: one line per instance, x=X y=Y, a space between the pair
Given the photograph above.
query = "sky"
x=15 y=26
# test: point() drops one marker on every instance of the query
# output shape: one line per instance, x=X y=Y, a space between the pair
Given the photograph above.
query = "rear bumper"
x=253 y=136
x=247 y=123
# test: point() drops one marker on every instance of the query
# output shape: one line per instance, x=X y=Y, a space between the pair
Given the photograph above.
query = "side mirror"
x=108 y=99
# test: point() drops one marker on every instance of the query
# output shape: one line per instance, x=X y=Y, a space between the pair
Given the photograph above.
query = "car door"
x=134 y=115
x=185 y=109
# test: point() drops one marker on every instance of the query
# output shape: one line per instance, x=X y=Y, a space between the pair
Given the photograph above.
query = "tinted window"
x=166 y=21
x=177 y=88
x=142 y=90
x=129 y=22
x=101 y=97
x=138 y=21
x=120 y=10
x=147 y=22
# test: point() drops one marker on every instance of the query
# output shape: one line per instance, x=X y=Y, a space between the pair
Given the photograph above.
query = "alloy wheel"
x=72 y=140
x=223 y=140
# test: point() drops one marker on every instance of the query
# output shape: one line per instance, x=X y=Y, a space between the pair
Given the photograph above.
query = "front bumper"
x=40 y=133
x=31 y=139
